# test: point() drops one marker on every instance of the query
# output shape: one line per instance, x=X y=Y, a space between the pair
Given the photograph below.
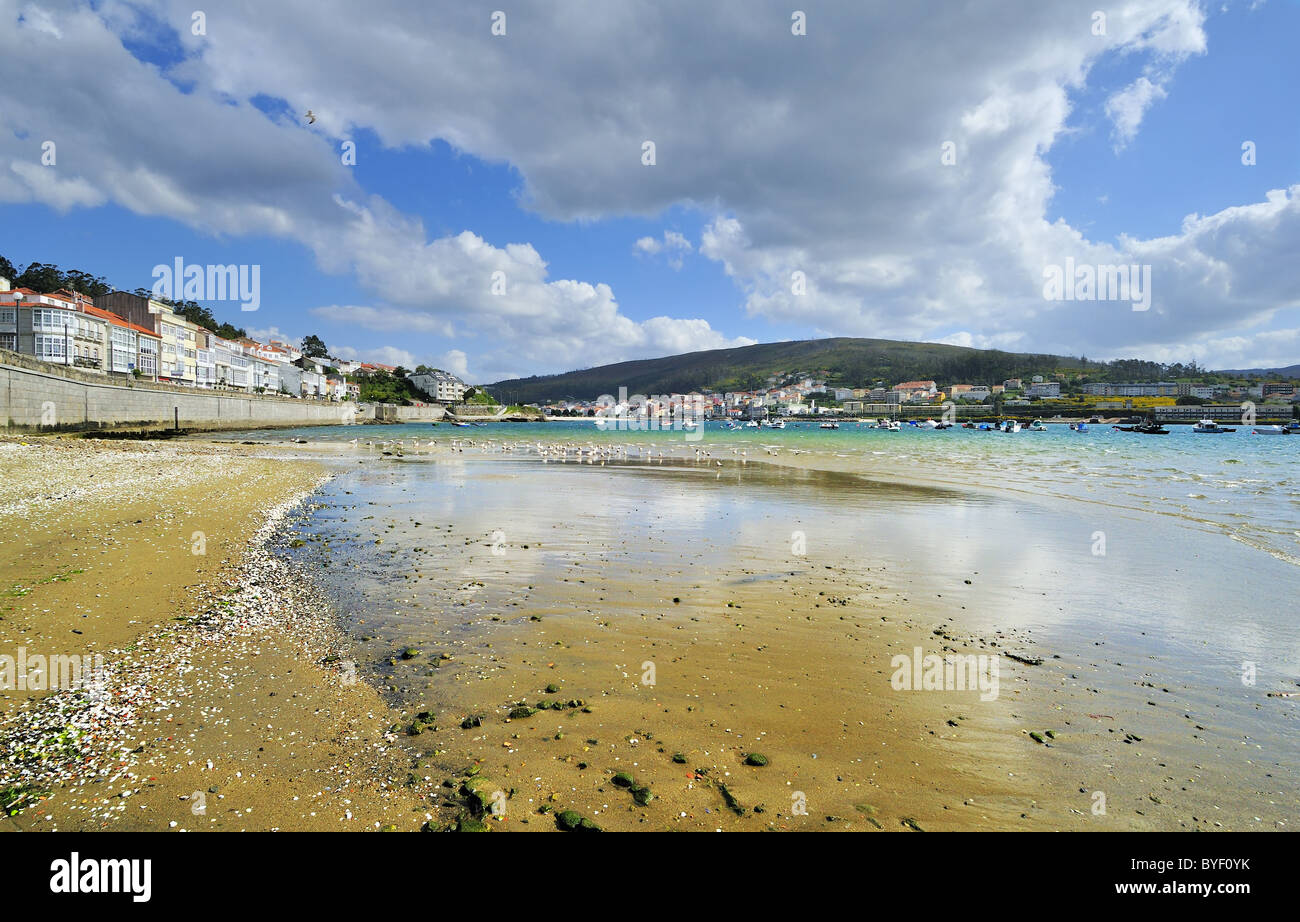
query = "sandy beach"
x=538 y=645
x=223 y=706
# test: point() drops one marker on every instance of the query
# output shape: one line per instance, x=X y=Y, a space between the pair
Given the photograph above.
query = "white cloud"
x=1127 y=107
x=797 y=162
x=674 y=246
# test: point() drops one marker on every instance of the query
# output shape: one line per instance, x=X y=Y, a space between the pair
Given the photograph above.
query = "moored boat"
x=1210 y=426
x=1270 y=430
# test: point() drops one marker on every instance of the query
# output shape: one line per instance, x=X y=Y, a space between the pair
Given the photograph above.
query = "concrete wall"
x=35 y=396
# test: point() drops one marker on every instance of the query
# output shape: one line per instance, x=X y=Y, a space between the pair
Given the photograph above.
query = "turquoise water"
x=1240 y=486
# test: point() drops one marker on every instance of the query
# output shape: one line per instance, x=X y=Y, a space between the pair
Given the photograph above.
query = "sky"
x=476 y=192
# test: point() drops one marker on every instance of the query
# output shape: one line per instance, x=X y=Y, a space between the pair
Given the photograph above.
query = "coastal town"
x=806 y=397
x=126 y=335
x=131 y=335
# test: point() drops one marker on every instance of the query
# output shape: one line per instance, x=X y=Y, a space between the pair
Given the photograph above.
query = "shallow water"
x=1241 y=486
x=469 y=548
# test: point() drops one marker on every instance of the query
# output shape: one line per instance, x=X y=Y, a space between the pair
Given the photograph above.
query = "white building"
x=442 y=386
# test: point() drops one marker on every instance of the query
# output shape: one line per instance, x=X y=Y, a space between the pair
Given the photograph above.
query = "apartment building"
x=178 y=350
x=442 y=386
x=54 y=328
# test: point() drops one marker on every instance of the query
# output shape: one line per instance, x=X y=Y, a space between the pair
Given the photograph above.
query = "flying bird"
x=311 y=119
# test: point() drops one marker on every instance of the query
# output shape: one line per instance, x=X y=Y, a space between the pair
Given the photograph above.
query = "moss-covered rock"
x=521 y=712
x=573 y=821
x=623 y=780
x=756 y=759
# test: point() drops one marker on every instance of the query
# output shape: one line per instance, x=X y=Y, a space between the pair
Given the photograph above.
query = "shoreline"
x=236 y=713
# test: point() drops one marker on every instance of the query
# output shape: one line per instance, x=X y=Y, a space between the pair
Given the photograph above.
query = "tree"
x=314 y=347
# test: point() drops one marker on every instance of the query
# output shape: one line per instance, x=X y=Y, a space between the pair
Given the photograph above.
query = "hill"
x=1290 y=371
x=841 y=361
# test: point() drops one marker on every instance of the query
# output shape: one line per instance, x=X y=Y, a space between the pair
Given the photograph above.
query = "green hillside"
x=841 y=361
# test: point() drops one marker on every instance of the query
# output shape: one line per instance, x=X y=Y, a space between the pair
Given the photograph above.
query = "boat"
x=1210 y=426
x=1079 y=427
x=1150 y=427
x=829 y=426
x=775 y=424
x=1037 y=426
x=730 y=426
x=752 y=424
x=889 y=425
x=1009 y=425
x=1270 y=430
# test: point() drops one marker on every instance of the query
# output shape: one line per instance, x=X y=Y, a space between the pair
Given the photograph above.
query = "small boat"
x=1010 y=425
x=1150 y=427
x=1210 y=426
x=1079 y=427
x=829 y=426
x=1271 y=430
x=1037 y=426
x=775 y=424
x=752 y=424
x=889 y=425
x=730 y=426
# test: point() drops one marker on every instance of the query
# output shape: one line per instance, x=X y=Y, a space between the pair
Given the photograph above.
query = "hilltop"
x=842 y=360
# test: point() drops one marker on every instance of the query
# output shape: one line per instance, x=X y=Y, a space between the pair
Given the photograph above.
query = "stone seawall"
x=35 y=397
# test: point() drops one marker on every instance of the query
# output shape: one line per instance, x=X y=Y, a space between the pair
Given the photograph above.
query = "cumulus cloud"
x=826 y=199
x=674 y=246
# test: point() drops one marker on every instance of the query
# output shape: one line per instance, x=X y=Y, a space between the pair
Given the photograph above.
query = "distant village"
x=129 y=335
x=797 y=395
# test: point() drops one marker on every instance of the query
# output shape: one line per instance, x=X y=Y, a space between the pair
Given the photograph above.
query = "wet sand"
x=216 y=711
x=757 y=648
x=463 y=589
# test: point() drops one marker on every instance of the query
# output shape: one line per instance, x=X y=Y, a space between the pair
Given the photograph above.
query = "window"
x=51 y=348
x=53 y=320
x=8 y=316
x=9 y=341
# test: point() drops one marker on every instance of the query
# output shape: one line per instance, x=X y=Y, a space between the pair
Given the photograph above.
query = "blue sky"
x=772 y=159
